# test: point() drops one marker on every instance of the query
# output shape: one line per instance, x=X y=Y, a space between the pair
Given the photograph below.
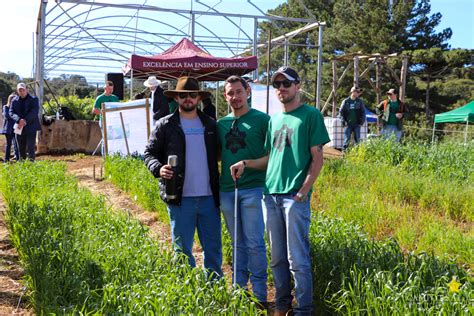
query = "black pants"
x=26 y=145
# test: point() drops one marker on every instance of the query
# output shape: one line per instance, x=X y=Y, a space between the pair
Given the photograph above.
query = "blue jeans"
x=251 y=253
x=8 y=147
x=389 y=130
x=287 y=223
x=201 y=213
x=348 y=130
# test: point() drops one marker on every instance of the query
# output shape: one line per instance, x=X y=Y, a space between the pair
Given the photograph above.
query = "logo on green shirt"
x=235 y=139
x=282 y=138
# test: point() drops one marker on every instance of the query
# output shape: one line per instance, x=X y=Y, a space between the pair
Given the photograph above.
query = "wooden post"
x=104 y=130
x=334 y=87
x=356 y=71
x=93 y=171
x=124 y=133
x=378 y=92
x=403 y=77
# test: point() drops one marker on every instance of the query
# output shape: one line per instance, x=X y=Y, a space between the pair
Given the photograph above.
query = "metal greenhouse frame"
x=91 y=38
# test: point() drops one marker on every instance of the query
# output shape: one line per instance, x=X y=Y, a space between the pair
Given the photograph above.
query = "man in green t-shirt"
x=294 y=140
x=352 y=115
x=391 y=113
x=241 y=136
x=107 y=96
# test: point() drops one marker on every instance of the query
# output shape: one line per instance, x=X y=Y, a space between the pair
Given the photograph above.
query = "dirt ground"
x=12 y=301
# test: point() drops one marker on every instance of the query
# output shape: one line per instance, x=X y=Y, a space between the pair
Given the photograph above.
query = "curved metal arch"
x=227 y=18
x=75 y=55
x=115 y=16
x=60 y=48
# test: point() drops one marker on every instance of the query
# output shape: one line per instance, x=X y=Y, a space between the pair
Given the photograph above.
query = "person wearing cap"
x=241 y=135
x=294 y=142
x=391 y=113
x=107 y=96
x=25 y=112
x=159 y=101
x=352 y=115
x=190 y=135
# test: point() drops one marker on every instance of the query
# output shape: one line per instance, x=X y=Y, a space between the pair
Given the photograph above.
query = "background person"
x=241 y=136
x=107 y=96
x=352 y=115
x=7 y=130
x=391 y=112
x=192 y=136
x=159 y=101
x=24 y=111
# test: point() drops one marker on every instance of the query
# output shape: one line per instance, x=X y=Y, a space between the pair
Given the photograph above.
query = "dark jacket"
x=168 y=139
x=27 y=109
x=8 y=122
x=345 y=109
x=160 y=104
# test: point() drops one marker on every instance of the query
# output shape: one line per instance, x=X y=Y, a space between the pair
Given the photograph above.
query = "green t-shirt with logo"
x=242 y=138
x=394 y=108
x=352 y=116
x=289 y=139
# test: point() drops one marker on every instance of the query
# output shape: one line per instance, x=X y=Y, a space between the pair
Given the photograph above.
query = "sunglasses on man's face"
x=285 y=83
x=184 y=95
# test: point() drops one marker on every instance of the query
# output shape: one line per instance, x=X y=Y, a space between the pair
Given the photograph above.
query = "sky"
x=18 y=24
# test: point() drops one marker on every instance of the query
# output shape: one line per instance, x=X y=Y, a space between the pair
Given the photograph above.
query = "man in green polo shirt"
x=391 y=113
x=241 y=136
x=295 y=140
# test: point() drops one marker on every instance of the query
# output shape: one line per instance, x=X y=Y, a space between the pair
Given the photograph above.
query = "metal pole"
x=465 y=132
x=236 y=197
x=286 y=52
x=320 y=66
x=131 y=84
x=192 y=27
x=255 y=50
x=334 y=87
x=40 y=39
x=269 y=48
x=433 y=136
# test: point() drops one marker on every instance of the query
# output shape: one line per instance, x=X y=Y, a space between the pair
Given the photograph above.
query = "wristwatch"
x=302 y=197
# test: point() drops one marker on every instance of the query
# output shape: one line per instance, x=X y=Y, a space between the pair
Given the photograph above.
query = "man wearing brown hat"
x=391 y=113
x=191 y=136
x=352 y=115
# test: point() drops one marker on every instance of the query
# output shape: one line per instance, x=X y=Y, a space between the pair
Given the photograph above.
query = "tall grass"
x=448 y=160
x=79 y=257
x=131 y=175
x=357 y=275
x=421 y=211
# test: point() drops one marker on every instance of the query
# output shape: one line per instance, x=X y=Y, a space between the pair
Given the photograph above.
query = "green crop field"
x=391 y=234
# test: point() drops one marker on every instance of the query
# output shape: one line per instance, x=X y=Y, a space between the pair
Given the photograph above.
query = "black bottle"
x=171 y=191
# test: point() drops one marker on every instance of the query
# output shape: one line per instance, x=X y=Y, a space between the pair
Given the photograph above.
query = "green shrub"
x=80 y=108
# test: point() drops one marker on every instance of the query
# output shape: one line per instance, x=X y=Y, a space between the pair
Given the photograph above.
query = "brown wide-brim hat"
x=187 y=84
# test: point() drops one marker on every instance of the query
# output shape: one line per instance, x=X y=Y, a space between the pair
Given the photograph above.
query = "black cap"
x=288 y=72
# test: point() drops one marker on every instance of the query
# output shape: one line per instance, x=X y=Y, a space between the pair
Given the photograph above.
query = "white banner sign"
x=259 y=99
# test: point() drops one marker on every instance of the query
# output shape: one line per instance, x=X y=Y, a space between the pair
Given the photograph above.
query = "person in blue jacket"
x=24 y=111
x=7 y=130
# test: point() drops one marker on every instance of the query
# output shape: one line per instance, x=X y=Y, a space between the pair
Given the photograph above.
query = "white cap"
x=21 y=85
